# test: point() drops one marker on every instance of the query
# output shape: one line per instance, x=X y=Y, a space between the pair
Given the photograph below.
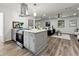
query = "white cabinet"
x=35 y=41
x=13 y=32
x=40 y=41
x=26 y=40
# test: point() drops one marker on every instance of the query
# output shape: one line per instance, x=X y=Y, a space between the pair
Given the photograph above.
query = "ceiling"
x=48 y=9
x=52 y=9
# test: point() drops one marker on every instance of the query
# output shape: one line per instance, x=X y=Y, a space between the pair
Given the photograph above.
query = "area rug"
x=63 y=36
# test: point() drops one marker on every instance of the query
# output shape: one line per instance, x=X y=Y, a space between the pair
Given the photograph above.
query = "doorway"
x=1 y=27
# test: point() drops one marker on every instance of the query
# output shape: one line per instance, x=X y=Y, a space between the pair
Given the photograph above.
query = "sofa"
x=51 y=32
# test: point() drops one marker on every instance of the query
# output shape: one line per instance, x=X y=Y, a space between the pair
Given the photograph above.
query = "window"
x=61 y=23
x=73 y=23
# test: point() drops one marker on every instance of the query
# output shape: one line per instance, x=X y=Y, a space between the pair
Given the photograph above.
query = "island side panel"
x=36 y=41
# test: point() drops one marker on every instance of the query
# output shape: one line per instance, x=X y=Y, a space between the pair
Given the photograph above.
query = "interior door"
x=1 y=27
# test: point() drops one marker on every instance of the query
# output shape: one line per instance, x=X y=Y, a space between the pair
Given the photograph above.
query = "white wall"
x=9 y=16
x=11 y=13
x=1 y=26
x=66 y=29
x=6 y=21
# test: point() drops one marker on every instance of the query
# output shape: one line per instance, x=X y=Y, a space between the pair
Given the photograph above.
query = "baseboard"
x=7 y=39
x=1 y=39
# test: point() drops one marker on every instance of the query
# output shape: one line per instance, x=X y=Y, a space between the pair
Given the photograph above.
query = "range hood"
x=24 y=10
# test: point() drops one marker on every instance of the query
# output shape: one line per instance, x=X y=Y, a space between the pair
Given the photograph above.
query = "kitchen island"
x=35 y=40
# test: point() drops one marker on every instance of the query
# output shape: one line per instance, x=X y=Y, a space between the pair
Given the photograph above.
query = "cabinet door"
x=45 y=38
x=32 y=43
x=38 y=41
x=26 y=40
x=14 y=34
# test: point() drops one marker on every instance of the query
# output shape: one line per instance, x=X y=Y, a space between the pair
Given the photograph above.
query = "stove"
x=20 y=38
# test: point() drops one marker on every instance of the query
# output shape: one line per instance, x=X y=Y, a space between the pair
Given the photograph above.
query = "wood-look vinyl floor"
x=56 y=47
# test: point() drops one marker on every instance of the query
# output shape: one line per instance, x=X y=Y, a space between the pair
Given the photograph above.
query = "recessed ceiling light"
x=77 y=8
x=74 y=14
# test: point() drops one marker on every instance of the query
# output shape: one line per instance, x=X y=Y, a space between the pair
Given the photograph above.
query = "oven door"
x=19 y=38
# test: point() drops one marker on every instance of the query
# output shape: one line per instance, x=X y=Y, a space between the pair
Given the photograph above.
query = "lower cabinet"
x=35 y=41
x=13 y=34
x=26 y=40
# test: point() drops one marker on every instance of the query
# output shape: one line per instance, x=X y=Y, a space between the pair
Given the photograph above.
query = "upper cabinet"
x=23 y=10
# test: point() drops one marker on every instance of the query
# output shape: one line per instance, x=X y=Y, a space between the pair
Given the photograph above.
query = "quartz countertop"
x=35 y=30
x=31 y=30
